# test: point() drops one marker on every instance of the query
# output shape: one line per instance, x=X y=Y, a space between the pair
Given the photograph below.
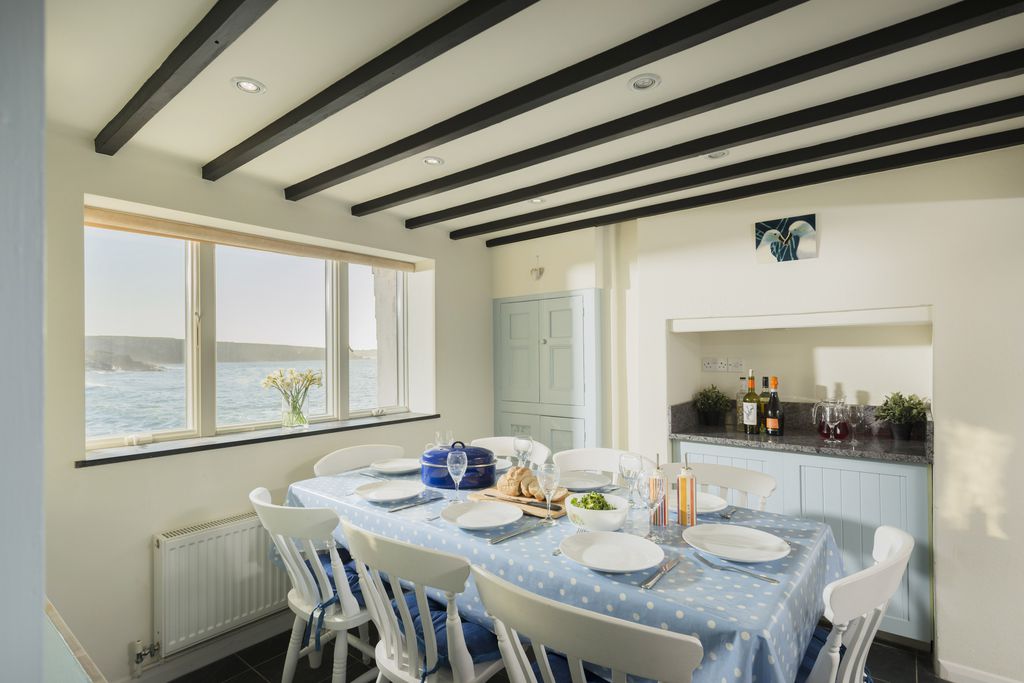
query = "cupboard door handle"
x=543 y=341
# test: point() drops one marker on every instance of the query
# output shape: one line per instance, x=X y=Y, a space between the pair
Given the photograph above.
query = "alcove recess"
x=861 y=355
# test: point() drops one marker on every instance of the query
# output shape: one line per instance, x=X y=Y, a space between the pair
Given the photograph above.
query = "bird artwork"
x=786 y=239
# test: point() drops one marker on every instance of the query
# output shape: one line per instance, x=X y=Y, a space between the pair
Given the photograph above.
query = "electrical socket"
x=708 y=364
x=722 y=365
x=735 y=365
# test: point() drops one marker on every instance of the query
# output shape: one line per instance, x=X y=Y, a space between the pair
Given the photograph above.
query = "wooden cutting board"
x=492 y=494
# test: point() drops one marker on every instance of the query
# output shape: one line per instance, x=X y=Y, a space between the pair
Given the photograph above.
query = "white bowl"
x=598 y=520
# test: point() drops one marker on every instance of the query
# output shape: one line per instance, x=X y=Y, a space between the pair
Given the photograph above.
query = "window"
x=271 y=314
x=137 y=360
x=374 y=333
x=157 y=368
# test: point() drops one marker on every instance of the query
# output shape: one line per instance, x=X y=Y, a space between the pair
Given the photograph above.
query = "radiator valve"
x=139 y=656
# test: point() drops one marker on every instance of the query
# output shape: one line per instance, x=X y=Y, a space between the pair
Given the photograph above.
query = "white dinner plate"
x=580 y=481
x=481 y=515
x=502 y=464
x=708 y=502
x=736 y=543
x=612 y=552
x=396 y=466
x=390 y=491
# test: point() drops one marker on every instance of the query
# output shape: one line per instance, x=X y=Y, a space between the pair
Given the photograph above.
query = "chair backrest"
x=595 y=459
x=726 y=478
x=582 y=636
x=354 y=457
x=502 y=447
x=381 y=560
x=856 y=604
x=298 y=533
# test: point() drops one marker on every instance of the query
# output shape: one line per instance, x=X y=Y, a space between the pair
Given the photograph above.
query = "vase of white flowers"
x=294 y=388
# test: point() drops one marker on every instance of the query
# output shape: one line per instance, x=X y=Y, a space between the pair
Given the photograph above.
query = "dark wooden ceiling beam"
x=227 y=20
x=943 y=22
x=949 y=150
x=982 y=71
x=465 y=21
x=862 y=142
x=695 y=28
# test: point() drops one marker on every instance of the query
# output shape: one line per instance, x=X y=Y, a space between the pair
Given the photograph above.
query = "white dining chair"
x=579 y=636
x=354 y=457
x=594 y=460
x=446 y=649
x=501 y=446
x=855 y=605
x=726 y=478
x=297 y=534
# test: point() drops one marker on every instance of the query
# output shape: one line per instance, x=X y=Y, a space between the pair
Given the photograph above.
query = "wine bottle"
x=764 y=402
x=739 y=403
x=751 y=406
x=773 y=421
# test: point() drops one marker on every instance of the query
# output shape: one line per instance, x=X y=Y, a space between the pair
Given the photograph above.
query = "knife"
x=415 y=503
x=723 y=567
x=555 y=507
x=656 y=576
x=521 y=530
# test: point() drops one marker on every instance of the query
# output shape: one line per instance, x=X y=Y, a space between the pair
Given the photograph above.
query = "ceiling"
x=99 y=54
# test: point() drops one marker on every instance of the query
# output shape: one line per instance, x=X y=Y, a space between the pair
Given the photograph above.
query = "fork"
x=728 y=513
x=726 y=568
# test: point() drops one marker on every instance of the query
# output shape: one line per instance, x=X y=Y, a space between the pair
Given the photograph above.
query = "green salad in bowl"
x=596 y=511
x=592 y=501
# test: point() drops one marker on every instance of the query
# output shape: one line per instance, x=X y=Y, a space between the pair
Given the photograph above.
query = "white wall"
x=861 y=362
x=21 y=338
x=949 y=234
x=100 y=520
x=568 y=261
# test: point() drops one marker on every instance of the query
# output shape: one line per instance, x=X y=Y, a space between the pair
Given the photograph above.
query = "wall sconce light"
x=537 y=272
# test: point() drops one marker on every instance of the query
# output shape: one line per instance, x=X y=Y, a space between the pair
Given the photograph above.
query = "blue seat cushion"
x=350 y=574
x=481 y=643
x=818 y=639
x=560 y=670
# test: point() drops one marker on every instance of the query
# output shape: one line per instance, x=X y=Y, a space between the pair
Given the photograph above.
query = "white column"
x=21 y=339
x=385 y=293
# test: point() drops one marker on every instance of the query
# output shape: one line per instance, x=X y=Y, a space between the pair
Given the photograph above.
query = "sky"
x=135 y=286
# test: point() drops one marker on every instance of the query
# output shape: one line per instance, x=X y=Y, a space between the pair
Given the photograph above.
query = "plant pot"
x=901 y=431
x=706 y=419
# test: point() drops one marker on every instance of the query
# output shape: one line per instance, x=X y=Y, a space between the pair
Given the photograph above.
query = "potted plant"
x=711 y=404
x=902 y=413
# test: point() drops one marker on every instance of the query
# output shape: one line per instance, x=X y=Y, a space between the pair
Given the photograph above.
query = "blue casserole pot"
x=479 y=470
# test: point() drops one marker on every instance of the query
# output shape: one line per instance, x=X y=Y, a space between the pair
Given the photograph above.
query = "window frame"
x=201 y=360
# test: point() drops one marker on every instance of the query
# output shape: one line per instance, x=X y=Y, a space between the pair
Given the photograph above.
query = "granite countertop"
x=917 y=452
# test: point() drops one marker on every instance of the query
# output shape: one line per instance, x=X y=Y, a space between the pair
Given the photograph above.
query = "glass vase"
x=293 y=412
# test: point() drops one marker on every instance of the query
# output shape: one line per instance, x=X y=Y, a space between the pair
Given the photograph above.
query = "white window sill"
x=107 y=456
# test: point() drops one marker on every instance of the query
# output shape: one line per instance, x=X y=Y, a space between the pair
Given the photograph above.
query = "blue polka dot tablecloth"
x=752 y=631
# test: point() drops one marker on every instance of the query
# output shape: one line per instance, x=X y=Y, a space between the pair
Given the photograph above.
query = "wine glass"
x=523 y=446
x=857 y=418
x=652 y=493
x=547 y=478
x=833 y=415
x=630 y=466
x=457 y=462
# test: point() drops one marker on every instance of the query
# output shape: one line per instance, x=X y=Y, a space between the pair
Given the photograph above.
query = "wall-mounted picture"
x=786 y=239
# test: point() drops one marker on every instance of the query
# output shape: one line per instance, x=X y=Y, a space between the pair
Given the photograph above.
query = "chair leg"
x=381 y=678
x=364 y=635
x=291 y=660
x=340 y=658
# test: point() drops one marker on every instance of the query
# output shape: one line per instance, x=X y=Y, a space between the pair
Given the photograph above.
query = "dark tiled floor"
x=263 y=662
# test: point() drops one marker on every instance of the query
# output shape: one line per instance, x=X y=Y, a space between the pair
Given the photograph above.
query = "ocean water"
x=119 y=403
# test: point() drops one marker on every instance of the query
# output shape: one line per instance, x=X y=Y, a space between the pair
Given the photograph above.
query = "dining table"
x=751 y=630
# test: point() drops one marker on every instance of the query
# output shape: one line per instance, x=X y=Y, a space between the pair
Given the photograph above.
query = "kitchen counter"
x=915 y=452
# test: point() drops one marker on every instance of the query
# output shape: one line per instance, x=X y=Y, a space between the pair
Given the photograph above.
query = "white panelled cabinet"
x=546 y=368
x=853 y=496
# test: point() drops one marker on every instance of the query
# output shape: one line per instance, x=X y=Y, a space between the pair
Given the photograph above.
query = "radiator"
x=211 y=578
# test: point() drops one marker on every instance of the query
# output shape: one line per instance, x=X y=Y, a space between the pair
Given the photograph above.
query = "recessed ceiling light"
x=433 y=161
x=249 y=86
x=719 y=154
x=537 y=200
x=645 y=82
